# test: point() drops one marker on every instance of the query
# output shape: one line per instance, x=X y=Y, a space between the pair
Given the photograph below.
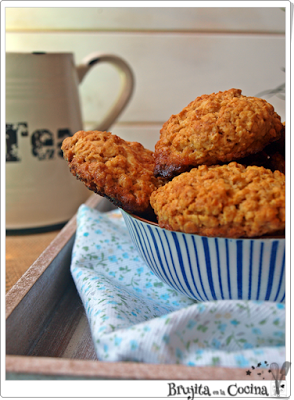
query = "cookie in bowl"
x=213 y=129
x=114 y=168
x=229 y=201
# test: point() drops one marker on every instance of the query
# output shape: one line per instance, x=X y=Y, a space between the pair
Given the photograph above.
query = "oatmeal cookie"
x=119 y=170
x=213 y=129
x=223 y=201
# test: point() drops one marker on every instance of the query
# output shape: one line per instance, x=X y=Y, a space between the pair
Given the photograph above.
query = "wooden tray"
x=47 y=332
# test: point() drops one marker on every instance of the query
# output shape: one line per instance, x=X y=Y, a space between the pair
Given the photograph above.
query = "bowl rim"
x=145 y=221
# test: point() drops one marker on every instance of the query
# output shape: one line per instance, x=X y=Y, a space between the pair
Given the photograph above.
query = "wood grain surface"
x=22 y=251
x=121 y=370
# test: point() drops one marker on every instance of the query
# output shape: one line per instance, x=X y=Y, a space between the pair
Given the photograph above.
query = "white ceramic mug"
x=42 y=108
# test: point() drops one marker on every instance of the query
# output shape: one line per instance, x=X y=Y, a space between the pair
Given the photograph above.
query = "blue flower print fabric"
x=133 y=316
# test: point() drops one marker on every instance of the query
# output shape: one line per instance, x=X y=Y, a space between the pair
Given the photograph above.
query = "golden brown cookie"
x=213 y=129
x=223 y=201
x=114 y=168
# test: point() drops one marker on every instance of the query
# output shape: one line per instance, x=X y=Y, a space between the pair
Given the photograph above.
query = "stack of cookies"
x=218 y=168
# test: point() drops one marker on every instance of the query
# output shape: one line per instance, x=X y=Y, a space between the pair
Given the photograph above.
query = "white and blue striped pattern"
x=207 y=268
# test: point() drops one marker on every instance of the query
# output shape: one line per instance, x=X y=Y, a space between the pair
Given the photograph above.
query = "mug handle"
x=126 y=88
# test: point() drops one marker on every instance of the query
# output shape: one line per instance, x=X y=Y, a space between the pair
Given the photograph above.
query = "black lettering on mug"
x=12 y=132
x=43 y=144
x=23 y=129
x=62 y=134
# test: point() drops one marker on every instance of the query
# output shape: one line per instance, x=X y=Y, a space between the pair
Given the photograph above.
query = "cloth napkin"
x=133 y=316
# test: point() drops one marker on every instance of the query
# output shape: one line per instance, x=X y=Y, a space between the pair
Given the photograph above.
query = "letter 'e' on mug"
x=42 y=109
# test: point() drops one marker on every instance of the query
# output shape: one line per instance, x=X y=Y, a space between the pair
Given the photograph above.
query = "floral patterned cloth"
x=134 y=316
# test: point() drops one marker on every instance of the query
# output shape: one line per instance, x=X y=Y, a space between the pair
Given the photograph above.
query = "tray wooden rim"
x=119 y=370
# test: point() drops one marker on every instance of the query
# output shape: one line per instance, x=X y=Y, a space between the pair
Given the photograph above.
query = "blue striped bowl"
x=209 y=268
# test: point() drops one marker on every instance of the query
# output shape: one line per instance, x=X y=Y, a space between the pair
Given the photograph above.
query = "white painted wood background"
x=176 y=55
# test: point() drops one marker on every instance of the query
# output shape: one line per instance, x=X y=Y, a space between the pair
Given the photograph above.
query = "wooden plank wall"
x=176 y=54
